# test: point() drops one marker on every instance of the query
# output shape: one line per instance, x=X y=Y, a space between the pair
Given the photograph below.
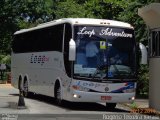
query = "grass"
x=133 y=105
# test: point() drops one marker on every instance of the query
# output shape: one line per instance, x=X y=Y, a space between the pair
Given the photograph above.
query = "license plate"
x=106 y=97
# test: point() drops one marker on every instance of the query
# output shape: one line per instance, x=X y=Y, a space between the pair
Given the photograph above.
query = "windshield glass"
x=105 y=52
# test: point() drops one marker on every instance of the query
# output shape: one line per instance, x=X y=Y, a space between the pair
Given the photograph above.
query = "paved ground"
x=42 y=107
x=39 y=104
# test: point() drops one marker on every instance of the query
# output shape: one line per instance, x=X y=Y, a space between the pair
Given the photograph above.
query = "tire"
x=110 y=106
x=20 y=84
x=58 y=95
x=25 y=89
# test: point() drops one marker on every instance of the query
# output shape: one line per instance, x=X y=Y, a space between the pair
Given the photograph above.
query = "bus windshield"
x=104 y=52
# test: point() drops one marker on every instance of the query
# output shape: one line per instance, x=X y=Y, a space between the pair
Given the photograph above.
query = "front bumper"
x=81 y=96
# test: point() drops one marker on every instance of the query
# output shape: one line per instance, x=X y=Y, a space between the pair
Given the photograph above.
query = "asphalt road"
x=39 y=107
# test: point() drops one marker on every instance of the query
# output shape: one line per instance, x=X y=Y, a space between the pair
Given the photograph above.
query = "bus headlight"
x=129 y=90
x=75 y=95
x=133 y=98
x=80 y=88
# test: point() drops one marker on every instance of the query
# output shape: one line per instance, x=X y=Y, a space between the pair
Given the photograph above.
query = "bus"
x=77 y=60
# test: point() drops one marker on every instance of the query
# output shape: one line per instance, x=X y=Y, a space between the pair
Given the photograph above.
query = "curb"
x=7 y=84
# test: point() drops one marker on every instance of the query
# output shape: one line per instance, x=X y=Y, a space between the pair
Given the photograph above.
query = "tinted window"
x=46 y=39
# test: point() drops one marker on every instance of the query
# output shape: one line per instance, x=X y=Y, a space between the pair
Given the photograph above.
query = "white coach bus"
x=77 y=60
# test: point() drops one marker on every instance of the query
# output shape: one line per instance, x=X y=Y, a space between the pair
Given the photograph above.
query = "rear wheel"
x=110 y=106
x=25 y=89
x=20 y=84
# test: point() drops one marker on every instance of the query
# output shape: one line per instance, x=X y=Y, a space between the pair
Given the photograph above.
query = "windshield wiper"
x=99 y=68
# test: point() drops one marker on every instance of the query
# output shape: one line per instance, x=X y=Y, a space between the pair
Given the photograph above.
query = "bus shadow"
x=91 y=107
x=77 y=106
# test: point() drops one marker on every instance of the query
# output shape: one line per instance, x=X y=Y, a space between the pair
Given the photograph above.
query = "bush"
x=143 y=81
x=6 y=59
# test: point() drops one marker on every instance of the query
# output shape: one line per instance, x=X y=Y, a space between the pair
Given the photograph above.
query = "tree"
x=7 y=25
x=19 y=14
x=130 y=15
x=71 y=9
x=105 y=9
x=33 y=12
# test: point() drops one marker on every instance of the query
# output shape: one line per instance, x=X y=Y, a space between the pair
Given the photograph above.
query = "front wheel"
x=58 y=95
x=110 y=106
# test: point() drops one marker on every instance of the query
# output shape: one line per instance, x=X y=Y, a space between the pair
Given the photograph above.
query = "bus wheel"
x=58 y=95
x=25 y=88
x=110 y=106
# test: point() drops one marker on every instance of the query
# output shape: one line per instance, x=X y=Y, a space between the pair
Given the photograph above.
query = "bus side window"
x=50 y=39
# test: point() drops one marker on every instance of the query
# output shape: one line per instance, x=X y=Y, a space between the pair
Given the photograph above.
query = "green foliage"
x=133 y=105
x=19 y=14
x=130 y=15
x=106 y=9
x=71 y=9
x=7 y=25
x=5 y=59
x=143 y=81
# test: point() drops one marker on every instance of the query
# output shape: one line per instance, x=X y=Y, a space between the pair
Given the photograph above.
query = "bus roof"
x=78 y=21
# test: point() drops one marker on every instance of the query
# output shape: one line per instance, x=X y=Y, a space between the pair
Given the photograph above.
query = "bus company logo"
x=106 y=89
x=40 y=59
x=104 y=32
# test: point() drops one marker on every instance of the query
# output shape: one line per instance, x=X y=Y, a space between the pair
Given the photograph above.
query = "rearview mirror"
x=72 y=50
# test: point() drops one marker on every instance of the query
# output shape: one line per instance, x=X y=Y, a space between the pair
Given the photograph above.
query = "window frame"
x=154 y=43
